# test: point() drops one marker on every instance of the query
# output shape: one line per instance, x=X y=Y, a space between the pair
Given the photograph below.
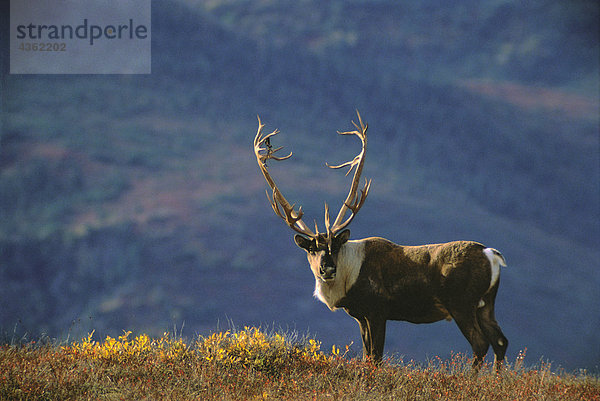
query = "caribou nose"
x=327 y=272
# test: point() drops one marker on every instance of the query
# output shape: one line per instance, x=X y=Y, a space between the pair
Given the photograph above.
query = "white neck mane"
x=349 y=262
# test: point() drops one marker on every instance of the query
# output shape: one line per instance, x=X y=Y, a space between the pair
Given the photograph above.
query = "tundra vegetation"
x=256 y=364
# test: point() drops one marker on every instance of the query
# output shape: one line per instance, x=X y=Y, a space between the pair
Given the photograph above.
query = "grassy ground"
x=251 y=364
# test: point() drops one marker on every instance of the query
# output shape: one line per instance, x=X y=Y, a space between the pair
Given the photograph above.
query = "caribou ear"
x=302 y=241
x=342 y=237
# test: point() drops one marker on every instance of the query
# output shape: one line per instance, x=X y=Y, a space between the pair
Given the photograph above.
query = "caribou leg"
x=491 y=329
x=468 y=325
x=372 y=331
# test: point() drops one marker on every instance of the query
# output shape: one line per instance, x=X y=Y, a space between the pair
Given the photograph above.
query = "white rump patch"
x=496 y=260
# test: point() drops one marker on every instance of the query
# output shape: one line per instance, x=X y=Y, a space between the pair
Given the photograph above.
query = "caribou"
x=375 y=280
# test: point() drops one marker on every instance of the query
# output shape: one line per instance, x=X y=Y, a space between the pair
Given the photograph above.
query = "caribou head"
x=322 y=247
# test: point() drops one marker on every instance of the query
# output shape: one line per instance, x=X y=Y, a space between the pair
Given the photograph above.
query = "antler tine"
x=327 y=226
x=353 y=201
x=278 y=202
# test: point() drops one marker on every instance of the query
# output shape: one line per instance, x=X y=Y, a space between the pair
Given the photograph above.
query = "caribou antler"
x=353 y=201
x=278 y=202
x=282 y=207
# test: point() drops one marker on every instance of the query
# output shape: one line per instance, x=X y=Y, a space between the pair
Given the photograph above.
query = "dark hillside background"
x=133 y=202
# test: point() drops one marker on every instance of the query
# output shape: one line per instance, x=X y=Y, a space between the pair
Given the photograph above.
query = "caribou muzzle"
x=327 y=273
x=327 y=268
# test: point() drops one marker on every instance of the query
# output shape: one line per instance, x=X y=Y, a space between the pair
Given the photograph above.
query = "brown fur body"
x=418 y=284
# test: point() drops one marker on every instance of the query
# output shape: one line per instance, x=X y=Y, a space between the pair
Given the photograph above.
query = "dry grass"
x=250 y=364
